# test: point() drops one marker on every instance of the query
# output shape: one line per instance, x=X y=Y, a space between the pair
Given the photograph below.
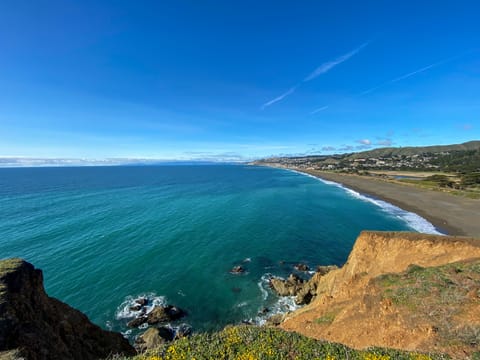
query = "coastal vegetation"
x=257 y=343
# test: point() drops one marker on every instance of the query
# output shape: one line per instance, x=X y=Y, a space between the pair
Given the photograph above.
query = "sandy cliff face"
x=422 y=307
x=36 y=326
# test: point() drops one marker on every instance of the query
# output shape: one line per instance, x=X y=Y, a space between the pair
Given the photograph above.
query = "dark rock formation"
x=141 y=301
x=301 y=267
x=304 y=291
x=167 y=313
x=137 y=321
x=37 y=326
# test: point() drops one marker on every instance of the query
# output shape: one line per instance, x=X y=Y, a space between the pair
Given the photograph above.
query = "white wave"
x=242 y=304
x=124 y=311
x=263 y=285
x=413 y=220
x=283 y=304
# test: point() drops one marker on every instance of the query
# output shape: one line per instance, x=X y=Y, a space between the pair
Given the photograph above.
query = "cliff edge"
x=36 y=326
x=399 y=290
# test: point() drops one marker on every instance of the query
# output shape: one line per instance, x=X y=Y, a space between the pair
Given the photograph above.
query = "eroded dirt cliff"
x=401 y=290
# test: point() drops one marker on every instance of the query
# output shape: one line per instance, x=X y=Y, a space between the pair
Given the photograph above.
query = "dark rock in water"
x=323 y=270
x=167 y=313
x=237 y=270
x=264 y=311
x=142 y=301
x=137 y=321
x=166 y=333
x=183 y=330
x=301 y=267
x=136 y=307
x=35 y=326
x=236 y=290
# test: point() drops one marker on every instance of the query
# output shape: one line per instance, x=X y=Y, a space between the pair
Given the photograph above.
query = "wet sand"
x=451 y=214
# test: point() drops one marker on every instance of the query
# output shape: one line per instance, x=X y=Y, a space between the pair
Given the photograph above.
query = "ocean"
x=104 y=236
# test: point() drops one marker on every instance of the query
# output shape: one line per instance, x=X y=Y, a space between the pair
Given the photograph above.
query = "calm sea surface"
x=105 y=235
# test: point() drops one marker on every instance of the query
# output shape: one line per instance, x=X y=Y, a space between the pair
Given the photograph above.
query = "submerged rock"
x=237 y=270
x=37 y=327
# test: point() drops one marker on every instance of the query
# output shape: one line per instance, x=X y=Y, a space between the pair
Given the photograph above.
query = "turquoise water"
x=104 y=235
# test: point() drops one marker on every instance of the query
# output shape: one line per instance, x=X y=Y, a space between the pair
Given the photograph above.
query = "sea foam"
x=124 y=310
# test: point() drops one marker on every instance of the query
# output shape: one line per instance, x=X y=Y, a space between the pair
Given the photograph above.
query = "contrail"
x=322 y=69
x=325 y=67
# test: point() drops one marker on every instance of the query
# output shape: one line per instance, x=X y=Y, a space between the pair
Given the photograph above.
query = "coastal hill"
x=417 y=150
x=458 y=158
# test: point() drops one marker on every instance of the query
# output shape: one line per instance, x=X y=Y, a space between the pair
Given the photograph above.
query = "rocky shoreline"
x=368 y=291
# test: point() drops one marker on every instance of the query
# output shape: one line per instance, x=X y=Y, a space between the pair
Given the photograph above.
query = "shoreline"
x=450 y=214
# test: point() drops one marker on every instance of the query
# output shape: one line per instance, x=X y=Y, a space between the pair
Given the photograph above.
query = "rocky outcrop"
x=153 y=337
x=288 y=287
x=159 y=314
x=304 y=291
x=36 y=326
x=363 y=304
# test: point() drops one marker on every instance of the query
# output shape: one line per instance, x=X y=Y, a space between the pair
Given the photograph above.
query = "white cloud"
x=365 y=142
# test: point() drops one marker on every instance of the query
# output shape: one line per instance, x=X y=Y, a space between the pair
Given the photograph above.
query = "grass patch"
x=258 y=343
x=439 y=296
x=325 y=319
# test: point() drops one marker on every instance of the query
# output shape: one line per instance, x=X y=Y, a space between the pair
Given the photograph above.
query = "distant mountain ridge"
x=416 y=150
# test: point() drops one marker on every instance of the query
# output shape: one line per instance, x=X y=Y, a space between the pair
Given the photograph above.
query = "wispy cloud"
x=329 y=65
x=410 y=74
x=397 y=79
x=319 y=109
x=322 y=69
x=384 y=142
x=279 y=98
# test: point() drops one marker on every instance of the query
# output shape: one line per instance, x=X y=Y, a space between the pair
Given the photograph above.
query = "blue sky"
x=235 y=79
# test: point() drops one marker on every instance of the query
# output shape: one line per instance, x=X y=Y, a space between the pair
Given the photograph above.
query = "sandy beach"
x=453 y=215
